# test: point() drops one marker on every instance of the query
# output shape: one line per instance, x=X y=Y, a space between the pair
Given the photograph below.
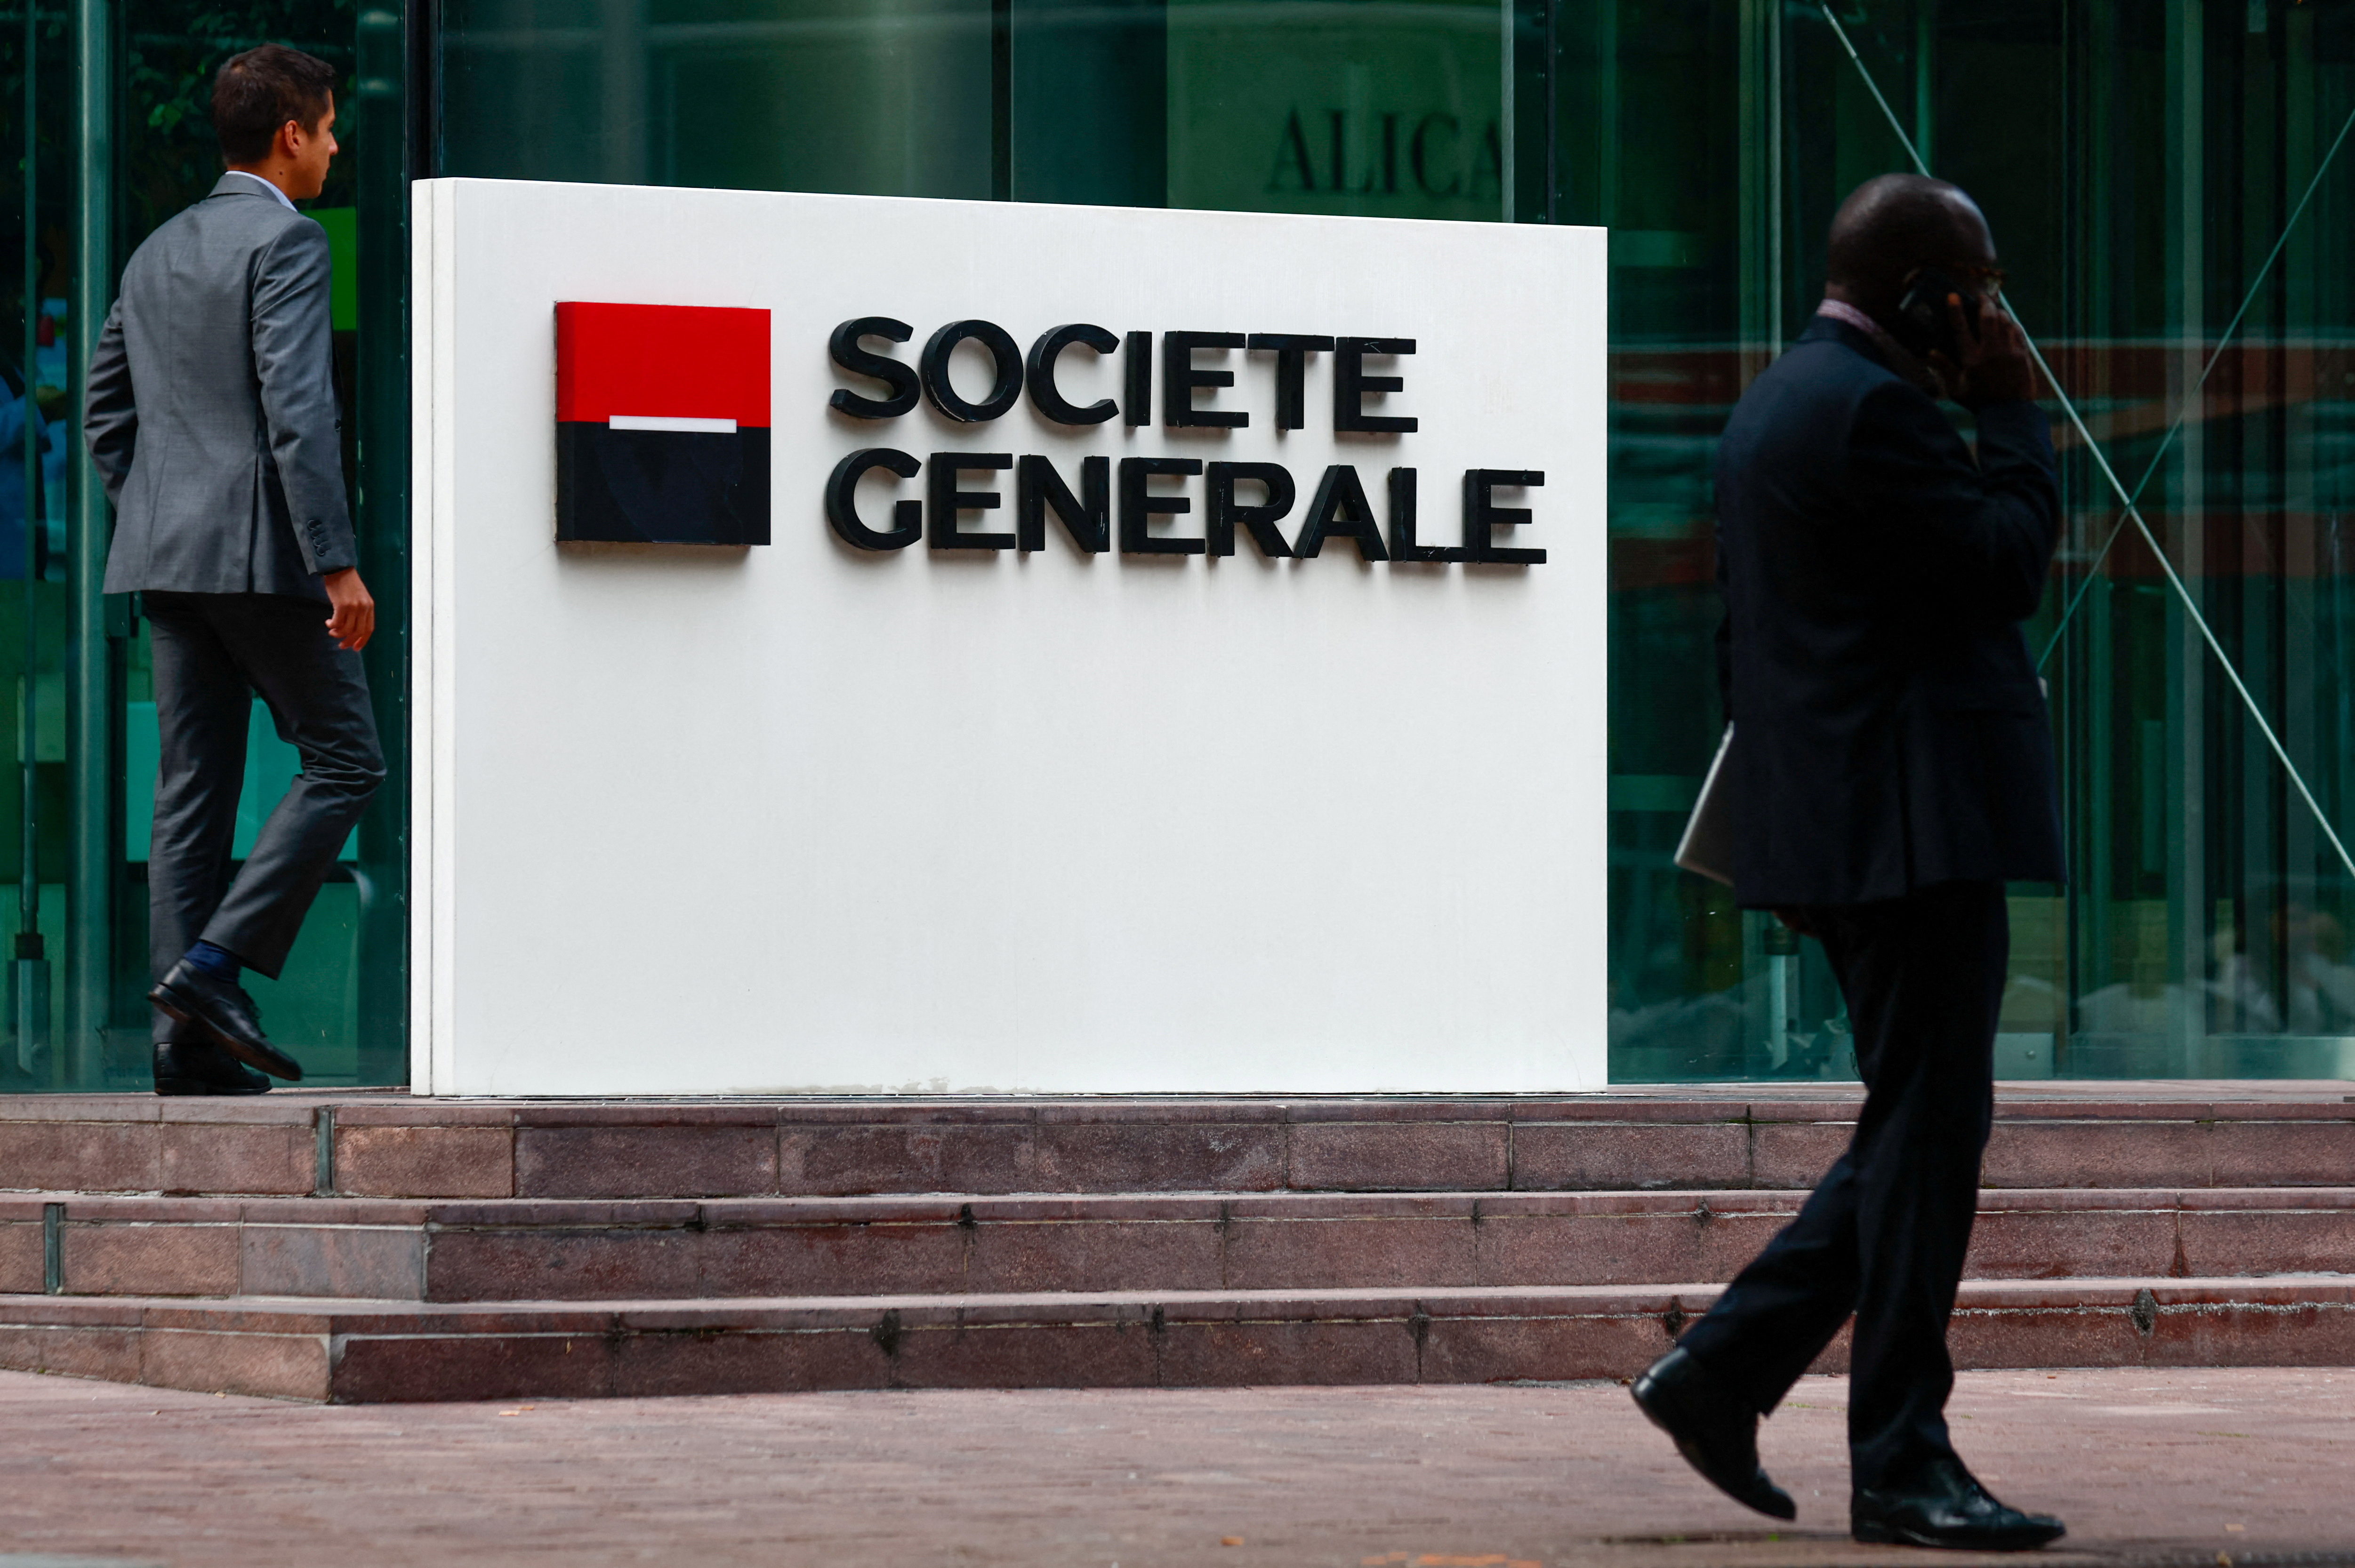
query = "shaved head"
x=1893 y=225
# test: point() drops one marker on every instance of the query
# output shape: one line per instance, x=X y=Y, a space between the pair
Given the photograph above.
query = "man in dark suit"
x=1891 y=769
x=212 y=421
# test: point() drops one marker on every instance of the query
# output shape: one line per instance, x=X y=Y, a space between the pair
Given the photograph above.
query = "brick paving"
x=2246 y=1467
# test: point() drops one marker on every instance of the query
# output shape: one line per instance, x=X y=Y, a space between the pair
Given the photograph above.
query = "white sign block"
x=805 y=817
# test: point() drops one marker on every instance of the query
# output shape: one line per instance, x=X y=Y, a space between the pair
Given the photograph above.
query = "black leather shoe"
x=221 y=1006
x=1713 y=1428
x=1945 y=1506
x=201 y=1067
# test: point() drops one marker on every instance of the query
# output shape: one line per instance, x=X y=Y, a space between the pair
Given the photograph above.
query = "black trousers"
x=1884 y=1233
x=213 y=653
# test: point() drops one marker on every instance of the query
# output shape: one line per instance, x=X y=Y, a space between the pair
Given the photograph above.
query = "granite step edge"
x=372 y=1351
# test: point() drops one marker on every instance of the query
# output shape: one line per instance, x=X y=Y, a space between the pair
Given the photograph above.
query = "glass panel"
x=1366 y=106
x=1376 y=108
x=1654 y=101
x=2206 y=932
x=33 y=604
x=2138 y=165
x=875 y=97
x=1089 y=117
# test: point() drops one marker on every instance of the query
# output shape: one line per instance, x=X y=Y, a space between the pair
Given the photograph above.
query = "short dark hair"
x=260 y=90
x=1891 y=225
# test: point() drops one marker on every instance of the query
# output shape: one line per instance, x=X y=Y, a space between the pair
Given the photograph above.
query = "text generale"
x=1252 y=497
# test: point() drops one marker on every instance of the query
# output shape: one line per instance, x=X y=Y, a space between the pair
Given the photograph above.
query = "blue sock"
x=218 y=962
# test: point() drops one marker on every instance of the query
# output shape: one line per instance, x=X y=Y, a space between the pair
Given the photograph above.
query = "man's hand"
x=1996 y=367
x=354 y=621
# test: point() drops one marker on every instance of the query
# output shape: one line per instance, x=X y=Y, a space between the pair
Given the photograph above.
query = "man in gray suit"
x=213 y=423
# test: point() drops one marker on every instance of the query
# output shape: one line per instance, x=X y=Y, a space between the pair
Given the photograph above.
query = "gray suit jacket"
x=211 y=413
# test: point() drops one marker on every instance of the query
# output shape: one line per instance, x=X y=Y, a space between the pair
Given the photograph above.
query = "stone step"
x=368 y=1352
x=391 y=1145
x=950 y=1246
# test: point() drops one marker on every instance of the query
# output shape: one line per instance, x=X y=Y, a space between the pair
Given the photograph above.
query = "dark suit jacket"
x=211 y=413
x=1889 y=729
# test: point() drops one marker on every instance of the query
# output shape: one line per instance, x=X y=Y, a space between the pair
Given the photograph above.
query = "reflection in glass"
x=878 y=96
x=2203 y=933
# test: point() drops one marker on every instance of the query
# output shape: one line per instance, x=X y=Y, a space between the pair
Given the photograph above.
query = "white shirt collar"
x=265 y=185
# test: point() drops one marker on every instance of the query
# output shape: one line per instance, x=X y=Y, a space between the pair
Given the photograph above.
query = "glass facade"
x=2169 y=180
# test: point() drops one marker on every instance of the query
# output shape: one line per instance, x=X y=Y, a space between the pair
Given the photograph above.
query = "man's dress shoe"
x=1713 y=1428
x=1945 y=1506
x=201 y=1067
x=223 y=1008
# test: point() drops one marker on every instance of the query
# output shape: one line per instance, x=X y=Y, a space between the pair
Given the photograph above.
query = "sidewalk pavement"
x=2244 y=1466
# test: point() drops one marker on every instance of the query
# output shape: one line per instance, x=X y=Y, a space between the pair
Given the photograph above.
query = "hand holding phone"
x=1979 y=352
x=1925 y=324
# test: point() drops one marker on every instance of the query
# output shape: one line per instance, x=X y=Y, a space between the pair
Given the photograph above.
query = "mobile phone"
x=1922 y=324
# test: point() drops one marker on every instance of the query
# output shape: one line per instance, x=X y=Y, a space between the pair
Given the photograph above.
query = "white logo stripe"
x=666 y=422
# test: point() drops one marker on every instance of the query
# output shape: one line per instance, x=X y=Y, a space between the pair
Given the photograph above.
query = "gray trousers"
x=213 y=653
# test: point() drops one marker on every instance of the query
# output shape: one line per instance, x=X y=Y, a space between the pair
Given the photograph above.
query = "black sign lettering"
x=1179 y=378
x=1480 y=515
x=1403 y=546
x=1045 y=396
x=901 y=378
x=943 y=501
x=1136 y=365
x=1003 y=355
x=1292 y=350
x=1352 y=385
x=841 y=501
x=1086 y=517
x=1139 y=506
x=1222 y=511
x=1341 y=510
